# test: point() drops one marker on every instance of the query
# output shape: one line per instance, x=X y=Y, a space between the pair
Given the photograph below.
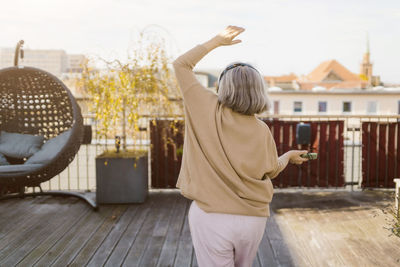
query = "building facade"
x=319 y=101
x=385 y=101
x=56 y=62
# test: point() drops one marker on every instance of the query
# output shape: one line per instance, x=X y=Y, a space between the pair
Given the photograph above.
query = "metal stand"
x=22 y=194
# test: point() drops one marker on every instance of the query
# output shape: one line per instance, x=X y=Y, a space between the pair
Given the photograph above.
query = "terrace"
x=341 y=209
x=319 y=217
x=336 y=228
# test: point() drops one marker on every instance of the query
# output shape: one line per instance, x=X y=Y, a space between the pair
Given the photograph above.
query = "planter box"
x=118 y=181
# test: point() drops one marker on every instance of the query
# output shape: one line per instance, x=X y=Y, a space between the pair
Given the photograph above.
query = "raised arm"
x=184 y=64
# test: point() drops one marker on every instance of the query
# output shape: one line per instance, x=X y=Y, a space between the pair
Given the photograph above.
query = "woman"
x=229 y=157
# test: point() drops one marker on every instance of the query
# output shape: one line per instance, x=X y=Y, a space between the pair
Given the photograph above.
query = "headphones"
x=232 y=67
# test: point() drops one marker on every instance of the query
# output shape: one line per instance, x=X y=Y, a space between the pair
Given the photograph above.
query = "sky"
x=281 y=36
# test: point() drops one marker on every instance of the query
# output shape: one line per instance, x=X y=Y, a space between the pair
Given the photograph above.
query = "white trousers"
x=225 y=239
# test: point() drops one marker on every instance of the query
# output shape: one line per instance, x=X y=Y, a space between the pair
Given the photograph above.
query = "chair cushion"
x=3 y=160
x=50 y=149
x=19 y=145
x=19 y=168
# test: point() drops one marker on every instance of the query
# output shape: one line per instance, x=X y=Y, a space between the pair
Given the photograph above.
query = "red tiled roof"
x=326 y=67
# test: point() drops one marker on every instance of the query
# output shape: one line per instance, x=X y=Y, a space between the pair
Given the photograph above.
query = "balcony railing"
x=371 y=151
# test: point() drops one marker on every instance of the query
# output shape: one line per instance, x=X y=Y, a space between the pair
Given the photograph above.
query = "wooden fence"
x=326 y=139
x=166 y=144
x=380 y=153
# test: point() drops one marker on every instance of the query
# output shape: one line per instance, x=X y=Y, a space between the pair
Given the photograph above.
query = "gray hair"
x=243 y=90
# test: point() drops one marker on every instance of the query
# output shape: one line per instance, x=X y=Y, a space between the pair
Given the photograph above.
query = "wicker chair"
x=36 y=102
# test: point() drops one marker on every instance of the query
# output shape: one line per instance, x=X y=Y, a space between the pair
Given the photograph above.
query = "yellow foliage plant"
x=124 y=92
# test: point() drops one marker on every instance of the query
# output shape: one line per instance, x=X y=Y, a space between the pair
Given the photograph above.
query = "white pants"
x=225 y=239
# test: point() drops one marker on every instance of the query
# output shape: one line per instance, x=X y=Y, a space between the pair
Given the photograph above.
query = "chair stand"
x=22 y=194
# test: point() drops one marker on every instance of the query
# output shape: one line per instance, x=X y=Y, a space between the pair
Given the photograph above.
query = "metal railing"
x=80 y=175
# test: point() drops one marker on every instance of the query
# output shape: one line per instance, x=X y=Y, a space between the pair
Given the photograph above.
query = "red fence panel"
x=326 y=139
x=391 y=155
x=380 y=154
x=397 y=166
x=323 y=157
x=166 y=147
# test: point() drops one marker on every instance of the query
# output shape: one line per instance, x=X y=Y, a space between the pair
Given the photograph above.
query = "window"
x=346 y=107
x=322 y=106
x=276 y=107
x=297 y=106
x=371 y=107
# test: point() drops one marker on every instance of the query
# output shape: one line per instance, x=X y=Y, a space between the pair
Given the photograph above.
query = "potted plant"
x=124 y=94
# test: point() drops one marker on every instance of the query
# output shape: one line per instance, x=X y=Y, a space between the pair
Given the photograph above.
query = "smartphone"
x=309 y=156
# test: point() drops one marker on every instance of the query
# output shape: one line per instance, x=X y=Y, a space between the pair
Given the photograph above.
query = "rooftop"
x=322 y=71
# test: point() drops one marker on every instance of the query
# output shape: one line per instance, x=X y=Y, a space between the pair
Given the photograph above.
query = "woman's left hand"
x=295 y=156
x=227 y=36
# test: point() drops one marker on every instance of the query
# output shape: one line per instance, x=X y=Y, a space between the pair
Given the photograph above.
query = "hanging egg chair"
x=41 y=130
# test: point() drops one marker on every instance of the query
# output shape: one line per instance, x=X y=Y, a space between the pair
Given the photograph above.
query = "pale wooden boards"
x=305 y=229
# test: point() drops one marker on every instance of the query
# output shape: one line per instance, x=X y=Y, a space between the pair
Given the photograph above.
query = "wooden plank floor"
x=337 y=228
x=305 y=229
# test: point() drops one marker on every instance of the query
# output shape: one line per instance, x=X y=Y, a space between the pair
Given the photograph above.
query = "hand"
x=295 y=156
x=226 y=36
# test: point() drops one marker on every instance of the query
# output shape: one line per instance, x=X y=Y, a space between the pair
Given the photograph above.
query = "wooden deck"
x=305 y=229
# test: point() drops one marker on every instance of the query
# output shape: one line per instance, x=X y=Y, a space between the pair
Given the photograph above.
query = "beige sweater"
x=225 y=154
